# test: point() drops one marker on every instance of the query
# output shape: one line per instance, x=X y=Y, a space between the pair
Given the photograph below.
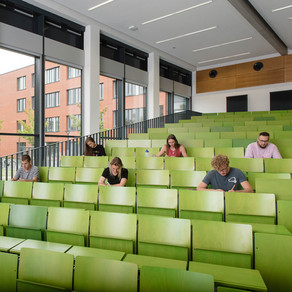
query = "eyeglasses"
x=264 y=141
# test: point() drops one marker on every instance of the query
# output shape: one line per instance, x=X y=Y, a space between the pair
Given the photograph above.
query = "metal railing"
x=50 y=155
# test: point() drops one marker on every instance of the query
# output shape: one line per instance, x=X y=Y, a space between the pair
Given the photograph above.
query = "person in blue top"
x=224 y=178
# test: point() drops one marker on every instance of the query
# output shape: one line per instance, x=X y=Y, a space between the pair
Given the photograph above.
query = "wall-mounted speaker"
x=258 y=66
x=213 y=73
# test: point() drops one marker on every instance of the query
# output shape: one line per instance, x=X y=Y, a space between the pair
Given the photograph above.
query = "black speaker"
x=258 y=66
x=213 y=73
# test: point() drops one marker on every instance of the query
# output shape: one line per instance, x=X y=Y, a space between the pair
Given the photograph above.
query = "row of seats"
x=188 y=204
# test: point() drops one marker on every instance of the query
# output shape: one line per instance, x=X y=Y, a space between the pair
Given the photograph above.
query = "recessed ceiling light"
x=227 y=57
x=186 y=34
x=101 y=4
x=282 y=8
x=223 y=44
x=177 y=12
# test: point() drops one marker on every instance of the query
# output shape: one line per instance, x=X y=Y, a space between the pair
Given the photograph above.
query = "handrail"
x=49 y=155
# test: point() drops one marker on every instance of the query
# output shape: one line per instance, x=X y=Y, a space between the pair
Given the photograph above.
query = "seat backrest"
x=8 y=271
x=200 y=152
x=62 y=174
x=179 y=163
x=222 y=243
x=88 y=175
x=4 y=213
x=154 y=201
x=247 y=164
x=140 y=151
x=252 y=176
x=284 y=211
x=278 y=165
x=250 y=208
x=205 y=205
x=153 y=177
x=71 y=161
x=157 y=130
x=221 y=129
x=68 y=225
x=44 y=173
x=165 y=279
x=117 y=199
x=218 y=143
x=44 y=268
x=233 y=135
x=286 y=152
x=18 y=192
x=80 y=195
x=273 y=258
x=138 y=136
x=164 y=237
x=114 y=231
x=203 y=164
x=123 y=151
x=96 y=161
x=205 y=136
x=114 y=143
x=128 y=161
x=139 y=143
x=154 y=136
x=280 y=187
x=186 y=178
x=149 y=162
x=48 y=191
x=237 y=152
x=112 y=275
x=241 y=142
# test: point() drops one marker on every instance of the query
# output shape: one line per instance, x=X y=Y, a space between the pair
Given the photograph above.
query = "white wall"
x=258 y=98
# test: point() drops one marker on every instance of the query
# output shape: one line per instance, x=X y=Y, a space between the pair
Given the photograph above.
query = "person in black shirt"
x=115 y=174
x=93 y=149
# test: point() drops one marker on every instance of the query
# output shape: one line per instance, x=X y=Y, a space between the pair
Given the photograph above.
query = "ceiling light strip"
x=101 y=4
x=187 y=34
x=177 y=12
x=227 y=57
x=223 y=44
x=282 y=8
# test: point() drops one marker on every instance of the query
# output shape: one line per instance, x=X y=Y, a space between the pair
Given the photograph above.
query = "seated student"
x=172 y=148
x=27 y=172
x=93 y=149
x=224 y=178
x=115 y=174
x=262 y=148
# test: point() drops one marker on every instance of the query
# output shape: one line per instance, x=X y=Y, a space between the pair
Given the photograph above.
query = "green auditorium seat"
x=122 y=152
x=62 y=174
x=96 y=252
x=44 y=173
x=286 y=152
x=17 y=192
x=179 y=163
x=200 y=152
x=180 y=179
x=117 y=199
x=283 y=134
x=250 y=208
x=278 y=165
x=165 y=279
x=176 y=131
x=81 y=196
x=284 y=212
x=161 y=202
x=183 y=136
x=4 y=213
x=273 y=258
x=210 y=135
x=114 y=231
x=27 y=222
x=88 y=175
x=1 y=188
x=139 y=143
x=164 y=237
x=93 y=274
x=247 y=164
x=141 y=260
x=140 y=151
x=233 y=135
x=280 y=187
x=270 y=128
x=198 y=129
x=138 y=136
x=173 y=125
x=156 y=143
x=68 y=226
x=7 y=243
x=242 y=142
x=233 y=278
x=235 y=152
x=131 y=181
x=244 y=128
x=252 y=176
x=157 y=130
x=218 y=243
x=96 y=161
x=113 y=143
x=218 y=143
x=203 y=164
x=71 y=161
x=221 y=129
x=42 y=270
x=203 y=205
x=283 y=142
x=152 y=177
x=192 y=142
x=8 y=272
x=47 y=194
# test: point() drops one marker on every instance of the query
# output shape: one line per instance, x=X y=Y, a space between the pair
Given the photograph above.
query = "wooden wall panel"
x=223 y=72
x=216 y=84
x=288 y=75
x=288 y=61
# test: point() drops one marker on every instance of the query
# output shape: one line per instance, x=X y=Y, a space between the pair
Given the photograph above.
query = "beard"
x=263 y=147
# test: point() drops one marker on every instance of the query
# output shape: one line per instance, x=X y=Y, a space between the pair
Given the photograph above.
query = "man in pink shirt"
x=262 y=148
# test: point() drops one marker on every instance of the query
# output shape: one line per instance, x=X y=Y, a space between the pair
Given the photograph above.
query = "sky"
x=10 y=61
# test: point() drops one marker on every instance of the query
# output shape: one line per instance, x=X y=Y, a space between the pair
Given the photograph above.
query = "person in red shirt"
x=172 y=148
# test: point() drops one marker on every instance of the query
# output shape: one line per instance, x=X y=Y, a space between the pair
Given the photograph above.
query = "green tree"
x=101 y=119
